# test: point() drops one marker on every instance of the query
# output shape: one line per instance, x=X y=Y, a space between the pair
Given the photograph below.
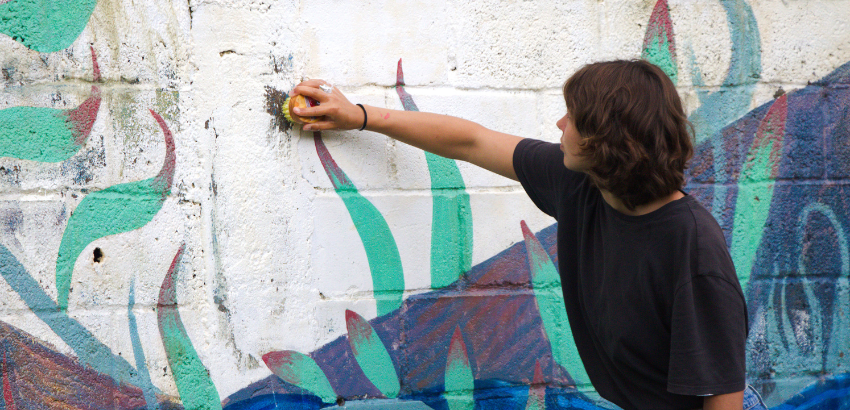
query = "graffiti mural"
x=485 y=335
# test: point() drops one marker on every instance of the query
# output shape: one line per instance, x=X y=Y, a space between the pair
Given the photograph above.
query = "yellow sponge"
x=301 y=102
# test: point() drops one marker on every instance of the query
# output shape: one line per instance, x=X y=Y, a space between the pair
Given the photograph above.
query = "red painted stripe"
x=335 y=173
x=166 y=174
x=7 y=386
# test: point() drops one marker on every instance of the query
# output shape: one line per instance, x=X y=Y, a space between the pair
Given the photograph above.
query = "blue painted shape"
x=829 y=394
x=90 y=351
x=278 y=401
x=138 y=352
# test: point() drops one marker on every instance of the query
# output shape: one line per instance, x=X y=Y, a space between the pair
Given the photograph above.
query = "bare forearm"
x=443 y=135
x=731 y=401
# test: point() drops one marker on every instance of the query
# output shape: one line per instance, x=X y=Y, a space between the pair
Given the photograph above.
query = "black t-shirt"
x=655 y=307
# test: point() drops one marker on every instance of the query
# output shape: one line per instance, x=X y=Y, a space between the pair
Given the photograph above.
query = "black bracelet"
x=364 y=117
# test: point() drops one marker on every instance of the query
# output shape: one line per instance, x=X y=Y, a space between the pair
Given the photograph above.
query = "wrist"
x=363 y=124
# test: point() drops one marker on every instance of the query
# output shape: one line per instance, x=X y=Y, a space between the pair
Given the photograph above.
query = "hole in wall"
x=98 y=255
x=340 y=401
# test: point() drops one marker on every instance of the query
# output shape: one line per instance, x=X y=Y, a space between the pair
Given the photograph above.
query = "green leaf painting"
x=196 y=389
x=755 y=188
x=451 y=215
x=550 y=302
x=119 y=208
x=45 y=25
x=301 y=370
x=371 y=355
x=459 y=381
x=378 y=241
x=47 y=134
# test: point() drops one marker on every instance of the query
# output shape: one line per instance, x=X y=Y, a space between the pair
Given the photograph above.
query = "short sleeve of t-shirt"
x=708 y=338
x=539 y=166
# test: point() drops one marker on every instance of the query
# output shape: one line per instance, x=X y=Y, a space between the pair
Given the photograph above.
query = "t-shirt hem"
x=706 y=390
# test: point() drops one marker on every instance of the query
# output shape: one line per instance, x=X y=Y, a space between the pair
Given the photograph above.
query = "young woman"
x=654 y=304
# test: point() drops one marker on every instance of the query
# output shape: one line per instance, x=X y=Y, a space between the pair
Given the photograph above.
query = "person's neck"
x=643 y=209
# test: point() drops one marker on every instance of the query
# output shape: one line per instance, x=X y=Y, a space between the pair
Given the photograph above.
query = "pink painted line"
x=538 y=373
x=8 y=399
x=359 y=330
x=406 y=99
x=660 y=24
x=335 y=173
x=166 y=174
x=83 y=117
x=95 y=67
x=167 y=292
x=772 y=130
x=457 y=348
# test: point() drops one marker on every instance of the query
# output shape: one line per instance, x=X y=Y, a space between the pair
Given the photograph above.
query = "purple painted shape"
x=38 y=377
x=493 y=305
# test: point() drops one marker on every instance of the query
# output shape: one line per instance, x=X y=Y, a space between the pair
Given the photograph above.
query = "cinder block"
x=512 y=112
x=362 y=155
x=521 y=45
x=496 y=221
x=339 y=38
x=339 y=257
x=789 y=57
x=91 y=166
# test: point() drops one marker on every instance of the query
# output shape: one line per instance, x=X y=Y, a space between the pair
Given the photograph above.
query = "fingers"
x=311 y=91
x=320 y=126
x=316 y=111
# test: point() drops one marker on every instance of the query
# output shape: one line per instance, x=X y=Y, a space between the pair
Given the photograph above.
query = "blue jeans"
x=752 y=400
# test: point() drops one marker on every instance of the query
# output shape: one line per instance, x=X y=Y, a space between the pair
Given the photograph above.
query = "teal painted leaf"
x=378 y=241
x=119 y=208
x=47 y=134
x=659 y=46
x=45 y=25
x=451 y=218
x=537 y=390
x=755 y=188
x=550 y=302
x=196 y=389
x=459 y=381
x=371 y=355
x=301 y=370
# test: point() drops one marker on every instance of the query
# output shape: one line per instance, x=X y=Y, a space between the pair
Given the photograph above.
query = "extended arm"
x=443 y=135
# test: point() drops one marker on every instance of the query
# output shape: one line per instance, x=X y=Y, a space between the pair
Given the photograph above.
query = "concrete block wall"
x=167 y=241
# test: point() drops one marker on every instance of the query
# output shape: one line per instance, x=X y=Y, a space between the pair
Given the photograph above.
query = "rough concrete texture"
x=254 y=266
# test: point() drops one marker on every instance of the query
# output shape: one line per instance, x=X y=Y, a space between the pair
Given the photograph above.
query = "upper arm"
x=493 y=151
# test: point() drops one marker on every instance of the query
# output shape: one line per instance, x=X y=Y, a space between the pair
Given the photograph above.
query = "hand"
x=336 y=112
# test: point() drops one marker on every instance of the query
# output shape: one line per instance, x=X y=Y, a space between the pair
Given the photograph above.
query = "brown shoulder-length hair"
x=633 y=129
